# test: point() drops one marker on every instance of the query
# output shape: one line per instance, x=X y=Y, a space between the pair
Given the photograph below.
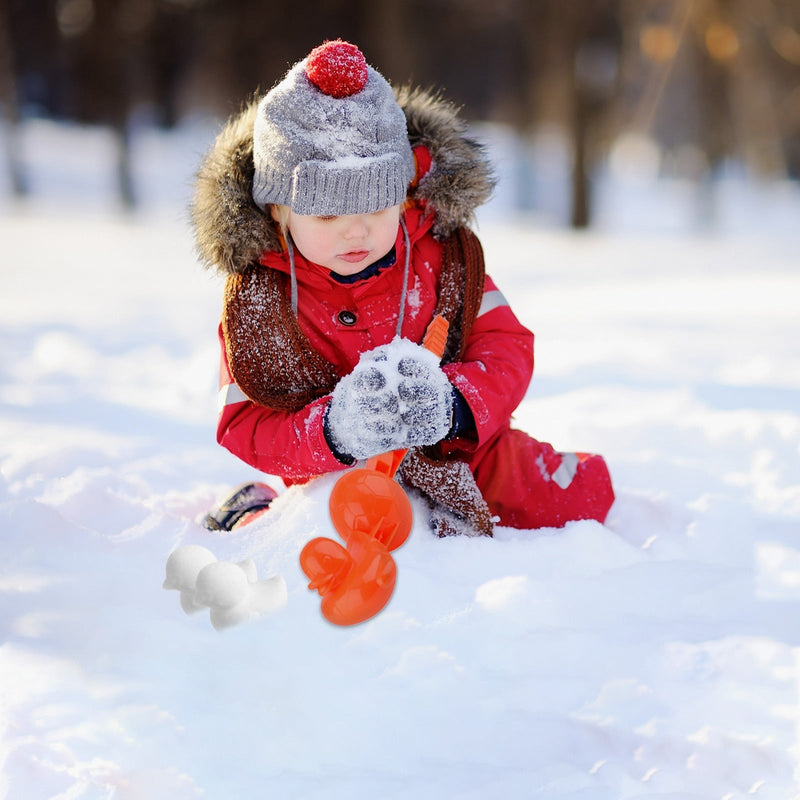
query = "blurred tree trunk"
x=592 y=39
x=10 y=107
x=754 y=106
x=572 y=52
x=579 y=134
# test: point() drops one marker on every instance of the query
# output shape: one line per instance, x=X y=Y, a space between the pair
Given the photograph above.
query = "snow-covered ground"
x=657 y=656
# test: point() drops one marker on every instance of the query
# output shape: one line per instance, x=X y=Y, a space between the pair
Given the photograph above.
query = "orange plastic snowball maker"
x=355 y=583
x=372 y=514
x=371 y=501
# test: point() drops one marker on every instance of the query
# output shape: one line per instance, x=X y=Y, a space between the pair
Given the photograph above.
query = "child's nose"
x=356 y=227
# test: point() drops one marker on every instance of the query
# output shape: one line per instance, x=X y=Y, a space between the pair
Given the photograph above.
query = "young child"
x=338 y=210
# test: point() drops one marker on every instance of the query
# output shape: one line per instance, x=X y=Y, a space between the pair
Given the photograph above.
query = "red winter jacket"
x=493 y=375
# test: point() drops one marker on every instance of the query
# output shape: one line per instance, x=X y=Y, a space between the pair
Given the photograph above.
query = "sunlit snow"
x=655 y=656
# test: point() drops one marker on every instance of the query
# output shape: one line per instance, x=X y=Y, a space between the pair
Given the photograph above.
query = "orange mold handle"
x=436 y=336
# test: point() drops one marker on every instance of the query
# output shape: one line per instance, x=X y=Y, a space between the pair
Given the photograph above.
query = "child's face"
x=346 y=244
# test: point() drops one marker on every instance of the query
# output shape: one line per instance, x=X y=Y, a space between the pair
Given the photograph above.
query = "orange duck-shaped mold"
x=372 y=513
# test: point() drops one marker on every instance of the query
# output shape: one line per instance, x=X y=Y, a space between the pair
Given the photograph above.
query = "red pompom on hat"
x=337 y=68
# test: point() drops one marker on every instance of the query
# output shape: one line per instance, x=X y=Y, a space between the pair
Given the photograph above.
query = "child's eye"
x=327 y=218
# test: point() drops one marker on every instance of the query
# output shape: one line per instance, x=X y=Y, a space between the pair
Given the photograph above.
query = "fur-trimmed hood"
x=231 y=232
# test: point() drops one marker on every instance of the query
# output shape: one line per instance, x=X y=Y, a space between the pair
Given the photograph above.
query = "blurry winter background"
x=646 y=227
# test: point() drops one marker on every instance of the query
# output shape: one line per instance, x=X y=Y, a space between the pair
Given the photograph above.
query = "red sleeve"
x=497 y=365
x=290 y=445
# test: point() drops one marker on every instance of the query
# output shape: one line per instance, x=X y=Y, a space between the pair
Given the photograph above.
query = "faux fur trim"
x=461 y=178
x=231 y=232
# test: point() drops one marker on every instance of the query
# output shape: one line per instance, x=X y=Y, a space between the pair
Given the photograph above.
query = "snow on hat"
x=330 y=139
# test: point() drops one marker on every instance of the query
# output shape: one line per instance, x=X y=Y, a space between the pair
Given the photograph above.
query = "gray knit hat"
x=330 y=139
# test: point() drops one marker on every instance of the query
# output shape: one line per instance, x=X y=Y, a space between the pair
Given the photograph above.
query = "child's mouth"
x=354 y=256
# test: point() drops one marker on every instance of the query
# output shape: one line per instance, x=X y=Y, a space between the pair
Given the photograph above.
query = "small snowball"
x=221 y=584
x=184 y=565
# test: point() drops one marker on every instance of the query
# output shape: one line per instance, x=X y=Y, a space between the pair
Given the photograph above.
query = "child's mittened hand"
x=396 y=397
x=426 y=398
x=363 y=419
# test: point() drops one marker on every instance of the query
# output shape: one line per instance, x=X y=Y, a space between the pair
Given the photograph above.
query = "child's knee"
x=528 y=484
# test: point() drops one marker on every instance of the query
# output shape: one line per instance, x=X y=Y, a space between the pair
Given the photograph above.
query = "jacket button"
x=347 y=318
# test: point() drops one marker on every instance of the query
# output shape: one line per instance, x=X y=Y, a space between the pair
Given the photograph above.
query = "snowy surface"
x=654 y=657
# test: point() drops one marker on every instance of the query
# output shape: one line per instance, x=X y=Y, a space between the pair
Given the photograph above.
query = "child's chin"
x=348 y=269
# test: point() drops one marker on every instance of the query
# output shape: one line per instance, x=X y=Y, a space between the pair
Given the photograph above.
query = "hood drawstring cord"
x=407 y=260
x=292 y=270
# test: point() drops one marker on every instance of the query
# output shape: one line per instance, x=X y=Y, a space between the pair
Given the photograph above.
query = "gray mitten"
x=397 y=396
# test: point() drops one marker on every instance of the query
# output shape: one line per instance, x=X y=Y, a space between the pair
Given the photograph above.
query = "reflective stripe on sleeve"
x=230 y=394
x=562 y=477
x=491 y=300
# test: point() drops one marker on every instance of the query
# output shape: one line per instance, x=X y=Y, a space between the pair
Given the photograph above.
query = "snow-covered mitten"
x=363 y=418
x=426 y=397
x=397 y=396
x=456 y=503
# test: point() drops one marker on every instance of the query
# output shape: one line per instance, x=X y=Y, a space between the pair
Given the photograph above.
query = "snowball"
x=184 y=565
